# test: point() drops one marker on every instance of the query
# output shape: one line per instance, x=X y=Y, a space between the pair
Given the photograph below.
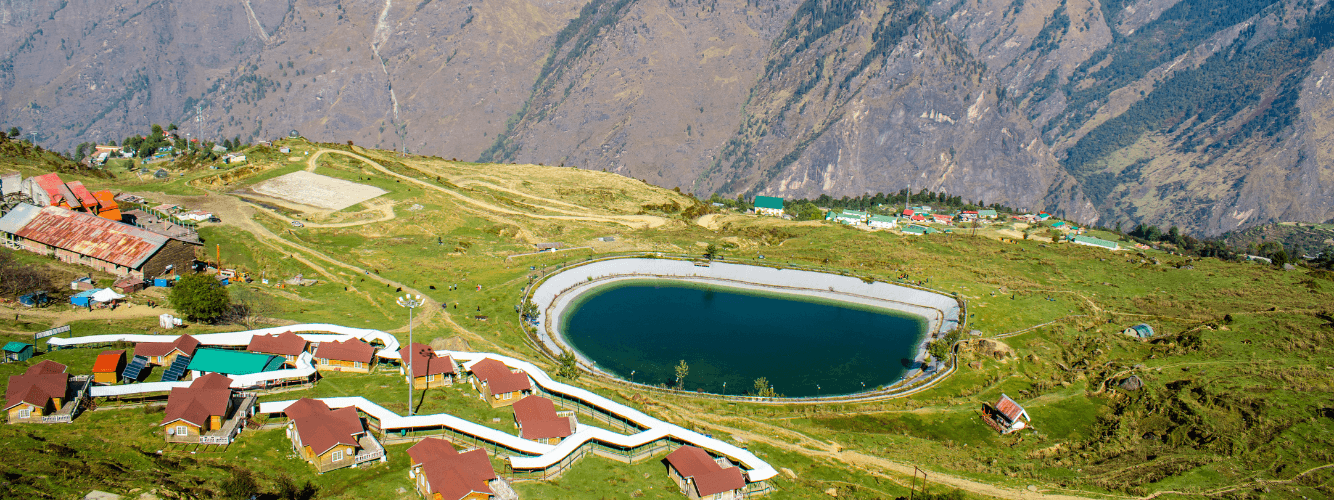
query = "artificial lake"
x=640 y=330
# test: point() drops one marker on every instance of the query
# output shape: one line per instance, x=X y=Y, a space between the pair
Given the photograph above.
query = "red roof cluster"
x=348 y=350
x=425 y=362
x=185 y=343
x=75 y=196
x=709 y=477
x=38 y=384
x=286 y=344
x=321 y=428
x=207 y=396
x=537 y=419
x=451 y=474
x=499 y=378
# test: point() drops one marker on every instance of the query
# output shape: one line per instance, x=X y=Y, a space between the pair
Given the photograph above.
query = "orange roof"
x=108 y=361
x=106 y=200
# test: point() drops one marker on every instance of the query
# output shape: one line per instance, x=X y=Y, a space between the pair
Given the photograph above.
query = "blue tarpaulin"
x=82 y=298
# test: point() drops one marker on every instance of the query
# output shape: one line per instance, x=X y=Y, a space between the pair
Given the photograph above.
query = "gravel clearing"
x=315 y=190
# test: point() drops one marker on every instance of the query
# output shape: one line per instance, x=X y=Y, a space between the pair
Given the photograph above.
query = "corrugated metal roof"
x=85 y=196
x=93 y=236
x=13 y=221
x=50 y=183
x=1009 y=408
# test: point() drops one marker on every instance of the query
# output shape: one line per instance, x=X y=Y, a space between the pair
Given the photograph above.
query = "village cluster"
x=148 y=245
x=211 y=384
x=924 y=220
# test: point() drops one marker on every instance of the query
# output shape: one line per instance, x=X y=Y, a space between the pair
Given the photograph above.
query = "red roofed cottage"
x=700 y=476
x=538 y=421
x=428 y=369
x=205 y=412
x=498 y=384
x=442 y=473
x=352 y=355
x=287 y=344
x=330 y=439
x=38 y=392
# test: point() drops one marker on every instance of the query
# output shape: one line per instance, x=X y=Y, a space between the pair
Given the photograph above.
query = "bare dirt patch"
x=316 y=190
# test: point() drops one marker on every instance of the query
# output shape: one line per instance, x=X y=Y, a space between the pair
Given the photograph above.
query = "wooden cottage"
x=40 y=391
x=330 y=439
x=700 y=476
x=498 y=384
x=352 y=355
x=1006 y=416
x=442 y=473
x=287 y=344
x=108 y=367
x=165 y=353
x=537 y=420
x=18 y=351
x=428 y=369
x=195 y=410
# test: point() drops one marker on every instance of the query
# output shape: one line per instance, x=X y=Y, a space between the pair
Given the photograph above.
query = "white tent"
x=106 y=295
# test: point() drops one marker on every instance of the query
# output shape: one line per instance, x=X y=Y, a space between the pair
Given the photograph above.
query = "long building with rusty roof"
x=106 y=245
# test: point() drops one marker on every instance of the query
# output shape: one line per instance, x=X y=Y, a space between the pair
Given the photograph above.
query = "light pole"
x=411 y=303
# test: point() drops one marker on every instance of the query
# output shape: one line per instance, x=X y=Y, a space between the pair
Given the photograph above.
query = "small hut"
x=1005 y=416
x=17 y=351
x=1142 y=331
x=108 y=367
x=128 y=285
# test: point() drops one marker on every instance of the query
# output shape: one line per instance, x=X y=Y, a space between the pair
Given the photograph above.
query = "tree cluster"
x=200 y=298
x=18 y=279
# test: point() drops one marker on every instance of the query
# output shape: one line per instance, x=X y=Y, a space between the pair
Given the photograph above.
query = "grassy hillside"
x=1236 y=397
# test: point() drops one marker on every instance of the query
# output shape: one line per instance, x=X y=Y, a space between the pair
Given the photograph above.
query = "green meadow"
x=1237 y=381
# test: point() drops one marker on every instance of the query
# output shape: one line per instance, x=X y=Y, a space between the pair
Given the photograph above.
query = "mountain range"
x=1210 y=115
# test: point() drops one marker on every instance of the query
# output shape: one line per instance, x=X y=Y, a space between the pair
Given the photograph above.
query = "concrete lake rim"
x=560 y=292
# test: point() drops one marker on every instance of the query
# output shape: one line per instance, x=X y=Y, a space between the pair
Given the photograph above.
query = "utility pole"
x=411 y=303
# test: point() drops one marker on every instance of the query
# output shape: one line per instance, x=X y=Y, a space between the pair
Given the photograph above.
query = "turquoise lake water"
x=736 y=336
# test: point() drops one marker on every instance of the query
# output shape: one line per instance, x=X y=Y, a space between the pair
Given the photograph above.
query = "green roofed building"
x=883 y=222
x=986 y=214
x=847 y=216
x=17 y=351
x=769 y=205
x=233 y=362
x=1094 y=242
x=918 y=230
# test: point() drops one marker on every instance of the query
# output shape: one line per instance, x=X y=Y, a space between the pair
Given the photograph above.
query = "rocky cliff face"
x=1211 y=115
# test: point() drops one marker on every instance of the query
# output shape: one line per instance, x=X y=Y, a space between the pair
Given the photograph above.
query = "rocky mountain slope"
x=1212 y=115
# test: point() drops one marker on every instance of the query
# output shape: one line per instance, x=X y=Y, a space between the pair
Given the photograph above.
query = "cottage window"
x=182 y=430
x=25 y=413
x=356 y=364
x=337 y=455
